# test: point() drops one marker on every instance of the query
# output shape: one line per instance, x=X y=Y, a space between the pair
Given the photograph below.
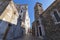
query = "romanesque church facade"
x=47 y=24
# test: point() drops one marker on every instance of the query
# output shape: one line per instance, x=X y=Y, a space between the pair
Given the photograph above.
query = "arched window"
x=56 y=16
x=38 y=22
x=21 y=11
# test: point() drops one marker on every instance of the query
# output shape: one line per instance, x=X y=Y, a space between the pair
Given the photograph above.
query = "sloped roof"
x=3 y=5
x=50 y=7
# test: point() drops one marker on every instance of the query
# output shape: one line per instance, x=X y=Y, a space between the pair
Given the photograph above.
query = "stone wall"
x=52 y=30
x=33 y=28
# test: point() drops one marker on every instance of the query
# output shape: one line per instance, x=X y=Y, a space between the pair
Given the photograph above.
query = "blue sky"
x=31 y=4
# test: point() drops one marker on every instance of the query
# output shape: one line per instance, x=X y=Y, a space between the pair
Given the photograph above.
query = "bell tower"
x=38 y=10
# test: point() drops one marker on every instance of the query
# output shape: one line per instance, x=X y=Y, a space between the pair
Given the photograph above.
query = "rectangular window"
x=40 y=31
x=21 y=11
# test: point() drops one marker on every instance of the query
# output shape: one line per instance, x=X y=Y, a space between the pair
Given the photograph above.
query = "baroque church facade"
x=47 y=23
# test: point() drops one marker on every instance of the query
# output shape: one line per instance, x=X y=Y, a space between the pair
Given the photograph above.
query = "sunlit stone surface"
x=9 y=21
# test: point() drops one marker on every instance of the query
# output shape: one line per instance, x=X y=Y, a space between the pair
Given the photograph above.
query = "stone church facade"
x=25 y=19
x=48 y=22
x=10 y=21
